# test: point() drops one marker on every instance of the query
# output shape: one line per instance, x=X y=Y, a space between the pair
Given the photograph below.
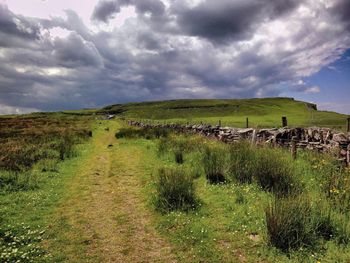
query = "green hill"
x=265 y=112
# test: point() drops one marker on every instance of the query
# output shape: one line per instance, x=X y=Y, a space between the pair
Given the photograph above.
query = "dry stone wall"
x=313 y=138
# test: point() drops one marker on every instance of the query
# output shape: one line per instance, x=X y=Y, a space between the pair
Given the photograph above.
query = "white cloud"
x=312 y=90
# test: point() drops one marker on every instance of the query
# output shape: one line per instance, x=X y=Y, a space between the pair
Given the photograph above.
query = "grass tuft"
x=174 y=190
x=289 y=224
x=242 y=162
x=214 y=165
x=275 y=172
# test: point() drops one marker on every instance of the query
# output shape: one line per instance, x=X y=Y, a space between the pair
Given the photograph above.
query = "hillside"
x=265 y=112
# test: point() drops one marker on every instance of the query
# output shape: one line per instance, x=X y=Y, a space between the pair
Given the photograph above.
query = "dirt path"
x=105 y=218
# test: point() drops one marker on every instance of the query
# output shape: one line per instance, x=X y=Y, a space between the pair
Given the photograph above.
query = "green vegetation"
x=174 y=190
x=30 y=179
x=214 y=165
x=142 y=133
x=268 y=202
x=232 y=112
x=168 y=196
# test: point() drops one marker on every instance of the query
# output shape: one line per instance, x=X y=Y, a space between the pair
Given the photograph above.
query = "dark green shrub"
x=242 y=162
x=174 y=190
x=214 y=165
x=275 y=172
x=290 y=224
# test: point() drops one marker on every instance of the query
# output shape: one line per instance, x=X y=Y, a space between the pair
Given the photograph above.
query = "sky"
x=64 y=54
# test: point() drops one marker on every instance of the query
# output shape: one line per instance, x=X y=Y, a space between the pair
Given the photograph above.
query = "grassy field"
x=141 y=197
x=261 y=112
x=75 y=188
x=228 y=222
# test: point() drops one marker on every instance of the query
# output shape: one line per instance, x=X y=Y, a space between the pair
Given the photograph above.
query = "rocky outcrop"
x=313 y=138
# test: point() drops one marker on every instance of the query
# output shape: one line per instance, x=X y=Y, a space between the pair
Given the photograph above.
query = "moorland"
x=78 y=187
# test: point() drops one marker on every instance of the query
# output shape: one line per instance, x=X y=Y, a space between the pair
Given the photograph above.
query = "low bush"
x=242 y=162
x=275 y=172
x=214 y=164
x=174 y=190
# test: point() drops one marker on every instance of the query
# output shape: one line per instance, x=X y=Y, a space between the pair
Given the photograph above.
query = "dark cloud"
x=74 y=51
x=14 y=29
x=225 y=19
x=106 y=10
x=342 y=10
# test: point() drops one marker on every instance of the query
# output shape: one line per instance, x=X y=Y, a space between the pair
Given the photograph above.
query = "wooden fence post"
x=220 y=123
x=294 y=148
x=348 y=124
x=247 y=123
x=284 y=121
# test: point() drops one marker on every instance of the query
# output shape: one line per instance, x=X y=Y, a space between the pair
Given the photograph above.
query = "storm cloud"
x=169 y=49
x=232 y=20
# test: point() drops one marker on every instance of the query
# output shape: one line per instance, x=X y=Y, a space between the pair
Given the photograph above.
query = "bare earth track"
x=104 y=217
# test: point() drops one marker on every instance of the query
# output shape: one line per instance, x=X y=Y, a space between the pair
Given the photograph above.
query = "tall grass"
x=214 y=162
x=275 y=172
x=174 y=190
x=179 y=156
x=290 y=224
x=242 y=162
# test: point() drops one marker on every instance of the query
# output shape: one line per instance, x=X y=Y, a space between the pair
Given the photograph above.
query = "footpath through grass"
x=103 y=217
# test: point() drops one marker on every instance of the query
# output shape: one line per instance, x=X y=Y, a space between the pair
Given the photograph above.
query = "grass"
x=77 y=205
x=32 y=179
x=214 y=165
x=290 y=224
x=242 y=162
x=274 y=171
x=278 y=212
x=174 y=190
x=265 y=112
x=148 y=134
